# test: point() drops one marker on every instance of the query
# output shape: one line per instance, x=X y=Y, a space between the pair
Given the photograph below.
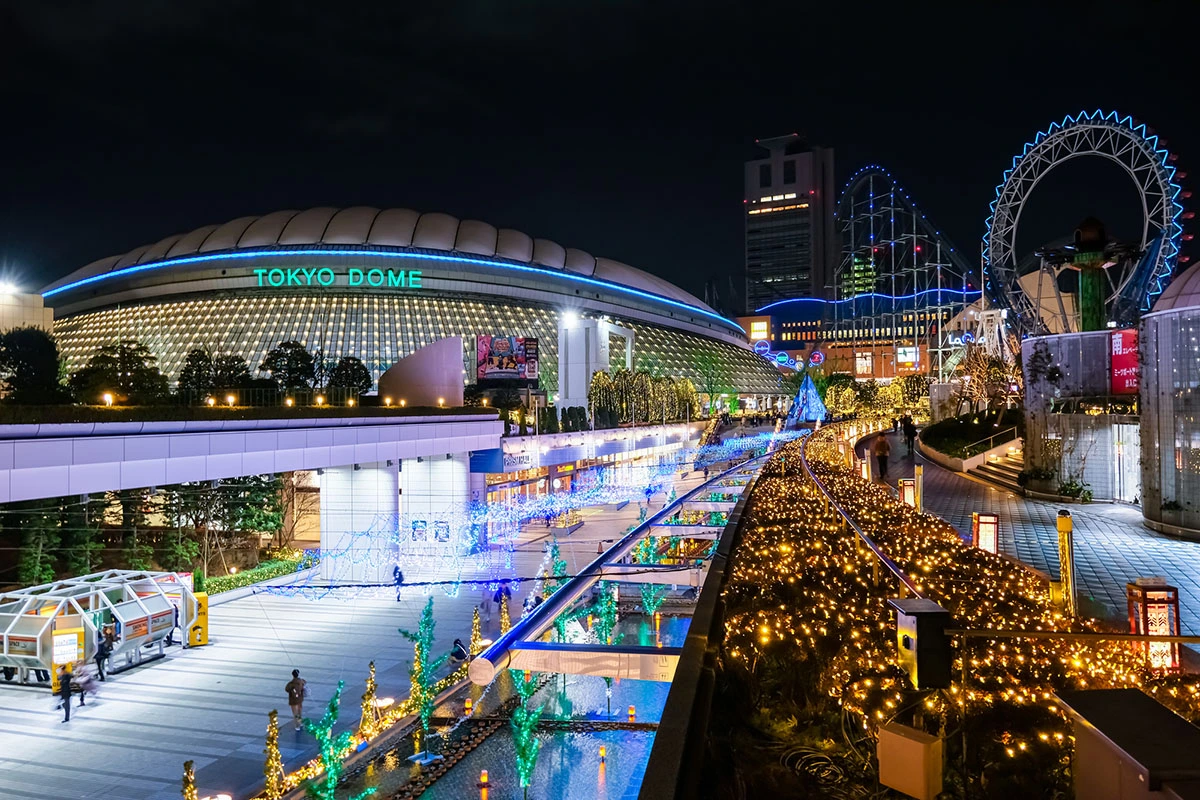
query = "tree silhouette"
x=29 y=367
x=290 y=365
x=351 y=373
x=196 y=376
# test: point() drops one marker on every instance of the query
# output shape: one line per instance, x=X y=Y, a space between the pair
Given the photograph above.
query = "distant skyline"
x=618 y=128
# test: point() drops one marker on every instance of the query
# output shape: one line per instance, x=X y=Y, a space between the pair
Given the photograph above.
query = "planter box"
x=566 y=530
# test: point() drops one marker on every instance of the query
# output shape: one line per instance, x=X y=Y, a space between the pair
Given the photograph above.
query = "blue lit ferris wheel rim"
x=1060 y=141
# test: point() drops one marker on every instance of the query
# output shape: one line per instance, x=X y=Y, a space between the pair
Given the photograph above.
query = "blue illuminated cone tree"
x=421 y=674
x=334 y=749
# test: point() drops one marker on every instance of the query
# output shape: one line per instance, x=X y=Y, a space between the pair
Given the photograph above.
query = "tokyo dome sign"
x=279 y=278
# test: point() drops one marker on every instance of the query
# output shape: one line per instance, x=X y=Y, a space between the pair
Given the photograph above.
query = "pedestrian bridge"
x=43 y=461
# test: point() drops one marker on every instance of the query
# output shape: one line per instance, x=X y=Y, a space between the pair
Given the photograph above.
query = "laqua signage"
x=279 y=278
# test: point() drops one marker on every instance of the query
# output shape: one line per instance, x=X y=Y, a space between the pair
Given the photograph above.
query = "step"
x=997 y=477
x=1007 y=467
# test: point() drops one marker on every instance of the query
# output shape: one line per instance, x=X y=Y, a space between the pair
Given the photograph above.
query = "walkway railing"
x=906 y=583
x=675 y=764
x=970 y=449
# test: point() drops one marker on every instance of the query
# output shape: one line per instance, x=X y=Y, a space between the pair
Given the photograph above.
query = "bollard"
x=919 y=477
x=1066 y=562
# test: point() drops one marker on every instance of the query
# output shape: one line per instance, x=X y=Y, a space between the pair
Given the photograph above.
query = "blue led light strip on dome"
x=174 y=262
x=963 y=292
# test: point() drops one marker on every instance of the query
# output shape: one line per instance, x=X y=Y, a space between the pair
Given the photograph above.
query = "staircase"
x=1001 y=470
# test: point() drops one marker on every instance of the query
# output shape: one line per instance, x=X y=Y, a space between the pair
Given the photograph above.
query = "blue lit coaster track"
x=1140 y=153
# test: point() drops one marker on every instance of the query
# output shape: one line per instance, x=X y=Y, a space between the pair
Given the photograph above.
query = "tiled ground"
x=1112 y=547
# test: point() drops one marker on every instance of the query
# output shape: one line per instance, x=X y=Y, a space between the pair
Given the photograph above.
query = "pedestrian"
x=485 y=607
x=103 y=651
x=297 y=690
x=64 y=691
x=398 y=579
x=882 y=450
x=86 y=685
x=706 y=473
x=910 y=435
x=458 y=653
x=895 y=425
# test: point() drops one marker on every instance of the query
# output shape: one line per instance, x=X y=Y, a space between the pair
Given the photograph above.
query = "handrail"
x=892 y=566
x=966 y=449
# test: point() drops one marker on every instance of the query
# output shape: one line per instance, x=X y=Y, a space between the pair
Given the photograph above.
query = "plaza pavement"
x=1112 y=547
x=210 y=704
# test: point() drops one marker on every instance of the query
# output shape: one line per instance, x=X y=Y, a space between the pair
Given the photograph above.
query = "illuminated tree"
x=476 y=646
x=524 y=727
x=421 y=674
x=653 y=596
x=367 y=723
x=273 y=766
x=505 y=619
x=558 y=570
x=189 y=782
x=333 y=749
x=605 y=609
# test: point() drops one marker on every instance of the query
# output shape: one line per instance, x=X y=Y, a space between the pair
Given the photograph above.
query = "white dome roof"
x=1182 y=292
x=366 y=227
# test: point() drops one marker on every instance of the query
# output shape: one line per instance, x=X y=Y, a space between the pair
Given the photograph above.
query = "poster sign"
x=1124 y=349
x=137 y=628
x=22 y=646
x=907 y=355
x=162 y=621
x=68 y=646
x=506 y=358
x=419 y=526
x=441 y=531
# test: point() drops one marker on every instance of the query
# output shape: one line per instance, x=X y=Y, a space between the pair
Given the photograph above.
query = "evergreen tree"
x=230 y=371
x=524 y=728
x=196 y=376
x=29 y=367
x=136 y=551
x=351 y=374
x=273 y=770
x=81 y=520
x=290 y=365
x=127 y=370
x=38 y=521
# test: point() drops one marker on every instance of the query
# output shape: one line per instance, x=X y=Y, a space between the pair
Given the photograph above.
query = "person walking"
x=64 y=690
x=458 y=653
x=910 y=435
x=398 y=580
x=881 y=450
x=296 y=690
x=485 y=607
x=103 y=651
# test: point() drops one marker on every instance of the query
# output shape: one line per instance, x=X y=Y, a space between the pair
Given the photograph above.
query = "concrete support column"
x=360 y=508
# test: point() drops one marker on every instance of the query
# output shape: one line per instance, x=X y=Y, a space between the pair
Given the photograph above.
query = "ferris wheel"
x=1132 y=283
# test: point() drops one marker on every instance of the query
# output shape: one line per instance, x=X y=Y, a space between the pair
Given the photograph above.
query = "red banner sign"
x=1124 y=350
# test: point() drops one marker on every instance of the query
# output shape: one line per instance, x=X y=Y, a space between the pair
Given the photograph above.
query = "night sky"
x=615 y=127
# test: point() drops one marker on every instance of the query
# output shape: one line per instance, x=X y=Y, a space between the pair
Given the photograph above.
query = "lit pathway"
x=210 y=704
x=1112 y=547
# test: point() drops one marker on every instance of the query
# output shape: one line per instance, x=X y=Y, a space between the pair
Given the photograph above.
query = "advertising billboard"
x=1124 y=350
x=506 y=358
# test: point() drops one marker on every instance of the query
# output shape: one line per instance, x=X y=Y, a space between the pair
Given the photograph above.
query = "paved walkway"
x=1112 y=547
x=210 y=704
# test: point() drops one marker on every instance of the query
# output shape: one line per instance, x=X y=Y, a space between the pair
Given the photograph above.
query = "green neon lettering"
x=293 y=277
x=375 y=277
x=275 y=277
x=309 y=274
x=325 y=276
x=414 y=279
x=356 y=277
x=260 y=273
x=396 y=278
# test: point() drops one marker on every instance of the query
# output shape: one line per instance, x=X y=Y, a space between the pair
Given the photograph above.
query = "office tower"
x=791 y=241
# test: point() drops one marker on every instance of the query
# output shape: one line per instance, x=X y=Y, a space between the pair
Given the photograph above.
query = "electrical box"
x=921 y=641
x=910 y=761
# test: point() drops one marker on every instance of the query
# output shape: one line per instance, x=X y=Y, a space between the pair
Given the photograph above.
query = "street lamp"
x=387 y=401
x=289 y=402
x=230 y=400
x=107 y=398
x=441 y=402
x=320 y=399
x=210 y=401
x=350 y=402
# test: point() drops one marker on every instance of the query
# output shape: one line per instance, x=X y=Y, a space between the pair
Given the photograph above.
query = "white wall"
x=359 y=509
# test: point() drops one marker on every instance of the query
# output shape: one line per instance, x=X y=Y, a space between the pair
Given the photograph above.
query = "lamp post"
x=1066 y=560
